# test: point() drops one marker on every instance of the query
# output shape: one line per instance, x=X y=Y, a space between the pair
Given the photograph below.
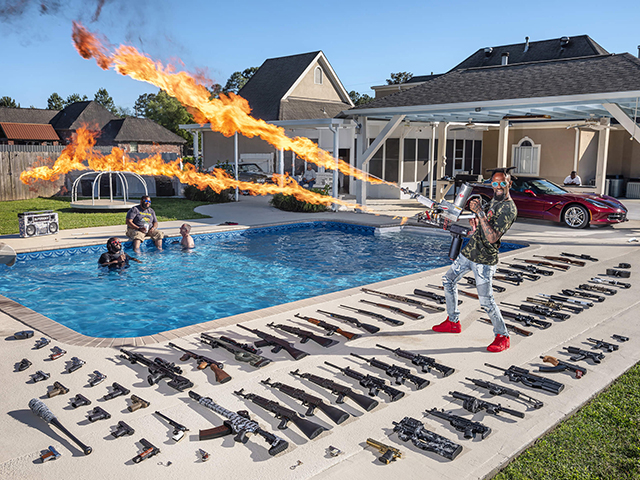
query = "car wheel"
x=576 y=216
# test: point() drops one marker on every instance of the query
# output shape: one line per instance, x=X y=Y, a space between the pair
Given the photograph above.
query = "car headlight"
x=597 y=203
x=260 y=180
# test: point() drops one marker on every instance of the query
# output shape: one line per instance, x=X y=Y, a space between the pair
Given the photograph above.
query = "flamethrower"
x=445 y=214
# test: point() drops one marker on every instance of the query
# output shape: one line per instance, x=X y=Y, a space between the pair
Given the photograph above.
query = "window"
x=133 y=147
x=526 y=157
x=317 y=76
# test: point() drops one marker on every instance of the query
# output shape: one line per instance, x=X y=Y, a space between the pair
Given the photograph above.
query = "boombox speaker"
x=42 y=222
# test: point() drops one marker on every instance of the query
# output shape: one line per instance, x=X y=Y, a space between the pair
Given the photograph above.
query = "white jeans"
x=484 y=279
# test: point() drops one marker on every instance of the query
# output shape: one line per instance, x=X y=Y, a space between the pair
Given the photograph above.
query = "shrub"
x=289 y=203
x=208 y=195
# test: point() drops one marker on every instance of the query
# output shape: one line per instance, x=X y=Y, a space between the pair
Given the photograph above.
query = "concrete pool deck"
x=25 y=435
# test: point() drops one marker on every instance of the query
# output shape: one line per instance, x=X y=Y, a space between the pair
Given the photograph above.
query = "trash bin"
x=614 y=187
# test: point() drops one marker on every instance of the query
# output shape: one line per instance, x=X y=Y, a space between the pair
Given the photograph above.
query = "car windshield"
x=545 y=186
x=250 y=168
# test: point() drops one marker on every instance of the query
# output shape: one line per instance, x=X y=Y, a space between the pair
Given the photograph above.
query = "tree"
x=140 y=107
x=75 y=97
x=8 y=102
x=237 y=80
x=400 y=77
x=359 y=98
x=124 y=112
x=164 y=110
x=104 y=99
x=215 y=90
x=55 y=102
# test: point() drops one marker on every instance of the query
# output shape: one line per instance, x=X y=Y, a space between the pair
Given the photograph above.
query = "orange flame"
x=228 y=114
x=80 y=155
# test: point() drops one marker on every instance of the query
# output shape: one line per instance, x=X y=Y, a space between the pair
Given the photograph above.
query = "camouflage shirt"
x=500 y=215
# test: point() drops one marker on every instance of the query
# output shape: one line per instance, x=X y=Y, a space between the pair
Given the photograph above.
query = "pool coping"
x=62 y=333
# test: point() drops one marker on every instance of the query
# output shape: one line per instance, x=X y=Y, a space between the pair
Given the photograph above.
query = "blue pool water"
x=226 y=274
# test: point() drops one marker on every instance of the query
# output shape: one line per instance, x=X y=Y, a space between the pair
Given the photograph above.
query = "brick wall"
x=153 y=148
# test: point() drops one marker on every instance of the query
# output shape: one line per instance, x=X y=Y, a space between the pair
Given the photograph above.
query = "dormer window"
x=317 y=76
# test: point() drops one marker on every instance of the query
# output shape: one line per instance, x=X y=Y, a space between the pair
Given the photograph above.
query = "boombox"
x=42 y=222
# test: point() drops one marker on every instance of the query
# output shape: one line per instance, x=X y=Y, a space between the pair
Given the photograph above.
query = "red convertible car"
x=539 y=198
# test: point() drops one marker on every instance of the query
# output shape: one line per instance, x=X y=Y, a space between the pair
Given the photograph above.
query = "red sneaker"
x=499 y=344
x=447 y=327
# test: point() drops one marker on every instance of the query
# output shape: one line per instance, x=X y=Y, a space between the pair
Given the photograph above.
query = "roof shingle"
x=29 y=131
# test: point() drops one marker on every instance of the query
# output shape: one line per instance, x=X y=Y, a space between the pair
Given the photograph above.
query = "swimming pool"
x=226 y=274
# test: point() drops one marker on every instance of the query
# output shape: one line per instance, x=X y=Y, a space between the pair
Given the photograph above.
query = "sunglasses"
x=146 y=201
x=501 y=184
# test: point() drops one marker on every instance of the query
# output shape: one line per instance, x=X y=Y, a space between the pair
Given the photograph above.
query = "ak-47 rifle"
x=544 y=264
x=496 y=288
x=379 y=316
x=204 y=362
x=277 y=343
x=415 y=316
x=554 y=305
x=607 y=346
x=597 y=288
x=529 y=276
x=399 y=374
x=495 y=389
x=369 y=382
x=425 y=363
x=582 y=256
x=517 y=374
x=575 y=301
x=510 y=327
x=539 y=310
x=469 y=428
x=468 y=294
x=159 y=369
x=241 y=352
x=352 y=320
x=561 y=366
x=331 y=329
x=530 y=269
x=613 y=283
x=305 y=335
x=526 y=320
x=410 y=429
x=411 y=301
x=579 y=263
x=341 y=391
x=578 y=293
x=474 y=405
x=580 y=354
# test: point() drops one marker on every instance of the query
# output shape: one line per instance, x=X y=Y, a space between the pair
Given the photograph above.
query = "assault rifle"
x=241 y=352
x=561 y=366
x=580 y=354
x=526 y=320
x=468 y=294
x=415 y=316
x=474 y=405
x=159 y=369
x=620 y=338
x=341 y=391
x=496 y=288
x=285 y=415
x=517 y=374
x=554 y=305
x=597 y=288
x=352 y=320
x=510 y=327
x=539 y=310
x=411 y=301
x=399 y=374
x=509 y=279
x=204 y=362
x=336 y=415
x=305 y=335
x=425 y=363
x=371 y=383
x=240 y=425
x=545 y=264
x=607 y=281
x=433 y=296
x=495 y=389
x=609 y=347
x=530 y=269
x=558 y=298
x=579 y=263
x=522 y=274
x=410 y=429
x=379 y=316
x=331 y=329
x=582 y=256
x=577 y=293
x=277 y=343
x=469 y=428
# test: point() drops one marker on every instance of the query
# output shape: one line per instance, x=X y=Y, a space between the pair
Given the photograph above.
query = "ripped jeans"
x=484 y=278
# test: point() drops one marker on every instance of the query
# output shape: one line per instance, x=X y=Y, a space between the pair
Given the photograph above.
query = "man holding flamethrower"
x=480 y=255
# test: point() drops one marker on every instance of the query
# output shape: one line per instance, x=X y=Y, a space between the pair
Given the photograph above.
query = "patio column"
x=576 y=150
x=603 y=156
x=194 y=133
x=281 y=163
x=441 y=163
x=503 y=144
x=235 y=159
x=336 y=147
x=432 y=153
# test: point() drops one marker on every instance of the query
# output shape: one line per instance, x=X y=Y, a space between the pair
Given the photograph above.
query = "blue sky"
x=364 y=41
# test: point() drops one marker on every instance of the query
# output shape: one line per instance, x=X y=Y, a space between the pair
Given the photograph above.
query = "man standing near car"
x=142 y=223
x=480 y=255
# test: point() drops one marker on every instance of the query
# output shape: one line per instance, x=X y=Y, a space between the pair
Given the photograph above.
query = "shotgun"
x=468 y=294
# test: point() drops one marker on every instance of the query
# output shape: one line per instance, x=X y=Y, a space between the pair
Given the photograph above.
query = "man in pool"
x=187 y=239
x=142 y=223
x=114 y=257
x=480 y=255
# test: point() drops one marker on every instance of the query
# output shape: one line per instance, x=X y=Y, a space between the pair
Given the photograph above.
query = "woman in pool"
x=114 y=257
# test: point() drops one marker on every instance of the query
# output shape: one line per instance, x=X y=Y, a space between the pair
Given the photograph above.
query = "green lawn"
x=166 y=209
x=600 y=441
